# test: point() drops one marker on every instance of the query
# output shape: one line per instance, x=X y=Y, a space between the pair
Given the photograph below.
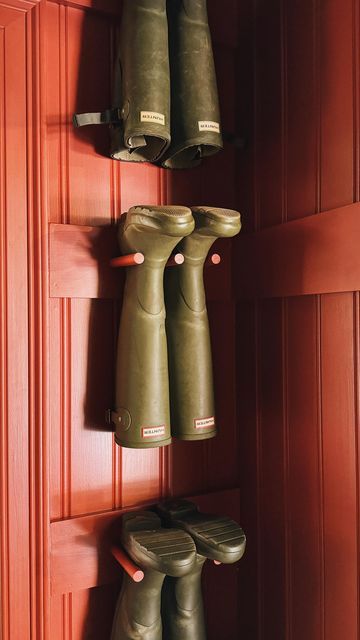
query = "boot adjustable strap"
x=110 y=116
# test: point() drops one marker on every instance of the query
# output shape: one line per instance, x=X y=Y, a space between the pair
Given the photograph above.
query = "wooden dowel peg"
x=131 y=569
x=128 y=261
x=175 y=260
x=213 y=260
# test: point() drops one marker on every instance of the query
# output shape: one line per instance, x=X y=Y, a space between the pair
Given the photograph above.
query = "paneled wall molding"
x=315 y=254
x=17 y=6
x=23 y=401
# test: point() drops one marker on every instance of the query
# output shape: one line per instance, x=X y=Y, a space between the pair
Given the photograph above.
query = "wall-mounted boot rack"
x=82 y=260
x=135 y=573
x=134 y=259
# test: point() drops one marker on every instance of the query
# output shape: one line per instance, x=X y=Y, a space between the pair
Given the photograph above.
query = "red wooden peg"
x=175 y=260
x=128 y=261
x=131 y=569
x=214 y=259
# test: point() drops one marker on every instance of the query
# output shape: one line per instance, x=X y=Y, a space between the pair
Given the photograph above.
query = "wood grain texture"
x=249 y=433
x=337 y=57
x=80 y=264
x=272 y=473
x=339 y=460
x=303 y=479
x=315 y=254
x=299 y=312
x=14 y=327
x=301 y=109
x=269 y=110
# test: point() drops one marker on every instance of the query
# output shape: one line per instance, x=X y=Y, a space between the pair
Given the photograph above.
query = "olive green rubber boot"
x=142 y=408
x=215 y=537
x=195 y=113
x=142 y=83
x=187 y=327
x=140 y=113
x=158 y=552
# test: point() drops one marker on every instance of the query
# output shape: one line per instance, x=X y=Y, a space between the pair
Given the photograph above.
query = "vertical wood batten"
x=356 y=97
x=303 y=471
x=301 y=110
x=357 y=436
x=272 y=496
x=247 y=370
x=340 y=509
x=269 y=126
x=337 y=103
x=16 y=325
x=4 y=489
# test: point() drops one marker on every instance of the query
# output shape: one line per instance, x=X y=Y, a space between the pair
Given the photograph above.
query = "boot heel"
x=218 y=538
x=158 y=552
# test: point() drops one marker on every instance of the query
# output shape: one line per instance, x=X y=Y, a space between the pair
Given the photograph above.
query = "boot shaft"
x=195 y=112
x=142 y=415
x=142 y=83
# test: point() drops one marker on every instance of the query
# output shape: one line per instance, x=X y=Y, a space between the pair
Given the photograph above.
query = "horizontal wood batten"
x=81 y=547
x=316 y=254
x=80 y=257
x=80 y=262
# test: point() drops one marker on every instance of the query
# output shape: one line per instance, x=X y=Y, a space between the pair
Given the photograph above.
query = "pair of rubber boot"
x=171 y=548
x=165 y=102
x=164 y=358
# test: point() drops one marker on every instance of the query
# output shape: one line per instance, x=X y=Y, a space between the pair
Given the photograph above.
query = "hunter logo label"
x=204 y=423
x=152 y=116
x=208 y=125
x=153 y=432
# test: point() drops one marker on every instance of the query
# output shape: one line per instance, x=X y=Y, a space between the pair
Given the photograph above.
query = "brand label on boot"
x=152 y=116
x=153 y=432
x=204 y=423
x=208 y=125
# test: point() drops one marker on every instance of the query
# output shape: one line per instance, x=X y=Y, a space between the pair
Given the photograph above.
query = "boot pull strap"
x=110 y=116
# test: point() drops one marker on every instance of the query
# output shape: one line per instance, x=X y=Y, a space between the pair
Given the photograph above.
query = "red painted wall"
x=286 y=366
x=298 y=354
x=63 y=480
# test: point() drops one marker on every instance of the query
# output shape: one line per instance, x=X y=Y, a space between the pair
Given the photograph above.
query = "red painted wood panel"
x=269 y=110
x=248 y=423
x=339 y=466
x=57 y=355
x=305 y=160
x=316 y=254
x=303 y=476
x=15 y=561
x=302 y=108
x=222 y=455
x=338 y=34
x=270 y=408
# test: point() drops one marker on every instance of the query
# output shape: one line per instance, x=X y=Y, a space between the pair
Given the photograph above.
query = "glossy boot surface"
x=142 y=413
x=218 y=538
x=158 y=552
x=187 y=327
x=142 y=83
x=195 y=114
